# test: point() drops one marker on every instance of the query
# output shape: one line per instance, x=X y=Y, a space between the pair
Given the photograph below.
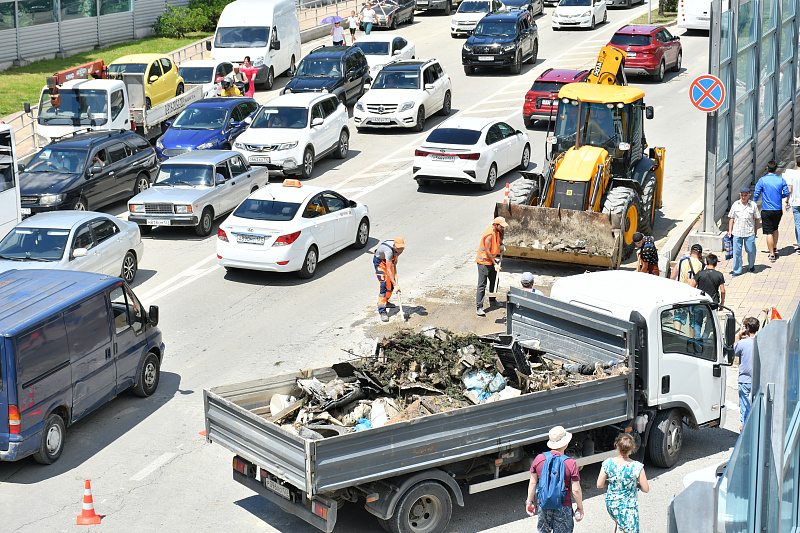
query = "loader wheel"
x=523 y=191
x=648 y=215
x=626 y=203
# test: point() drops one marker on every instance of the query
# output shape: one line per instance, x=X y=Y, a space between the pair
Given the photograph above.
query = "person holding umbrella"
x=337 y=32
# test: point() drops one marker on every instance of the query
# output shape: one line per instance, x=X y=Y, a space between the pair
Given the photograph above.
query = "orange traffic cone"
x=87 y=516
x=775 y=315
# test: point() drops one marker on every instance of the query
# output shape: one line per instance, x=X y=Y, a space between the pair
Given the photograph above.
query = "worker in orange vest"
x=488 y=262
x=385 y=261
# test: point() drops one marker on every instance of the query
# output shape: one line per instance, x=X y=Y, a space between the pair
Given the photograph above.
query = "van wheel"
x=292 y=68
x=203 y=228
x=270 y=79
x=426 y=507
x=52 y=443
x=129 y=267
x=149 y=375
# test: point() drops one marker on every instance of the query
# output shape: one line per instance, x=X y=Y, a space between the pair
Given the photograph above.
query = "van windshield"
x=34 y=244
x=241 y=37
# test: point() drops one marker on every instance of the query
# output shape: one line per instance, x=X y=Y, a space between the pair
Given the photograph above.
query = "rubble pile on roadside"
x=412 y=375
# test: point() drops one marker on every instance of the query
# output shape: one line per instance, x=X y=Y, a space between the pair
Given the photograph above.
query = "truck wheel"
x=491 y=178
x=522 y=192
x=362 y=235
x=203 y=228
x=626 y=203
x=648 y=214
x=666 y=438
x=147 y=104
x=149 y=375
x=129 y=267
x=309 y=263
x=425 y=508
x=52 y=444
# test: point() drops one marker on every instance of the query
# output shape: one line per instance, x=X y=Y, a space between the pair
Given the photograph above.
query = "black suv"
x=340 y=70
x=87 y=170
x=503 y=39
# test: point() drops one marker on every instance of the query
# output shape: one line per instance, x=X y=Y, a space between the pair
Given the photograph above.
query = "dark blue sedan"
x=210 y=124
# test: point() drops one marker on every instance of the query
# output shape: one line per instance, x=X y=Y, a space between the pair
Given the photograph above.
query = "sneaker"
x=734 y=274
x=752 y=269
x=480 y=311
x=384 y=317
x=797 y=251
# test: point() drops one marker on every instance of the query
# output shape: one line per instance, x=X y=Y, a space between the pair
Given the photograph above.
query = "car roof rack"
x=103 y=134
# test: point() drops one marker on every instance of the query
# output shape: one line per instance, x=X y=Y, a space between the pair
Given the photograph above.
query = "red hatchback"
x=650 y=50
x=541 y=102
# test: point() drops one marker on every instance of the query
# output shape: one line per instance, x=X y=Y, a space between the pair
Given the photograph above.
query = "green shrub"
x=211 y=10
x=176 y=22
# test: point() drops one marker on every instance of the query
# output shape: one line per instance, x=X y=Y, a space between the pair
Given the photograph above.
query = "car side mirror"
x=20 y=167
x=276 y=45
x=517 y=132
x=152 y=315
x=367 y=85
x=233 y=123
x=168 y=123
x=428 y=86
x=676 y=38
x=79 y=252
x=208 y=45
x=648 y=112
x=317 y=122
x=220 y=180
x=153 y=78
x=397 y=52
x=27 y=107
x=95 y=169
x=353 y=204
x=248 y=120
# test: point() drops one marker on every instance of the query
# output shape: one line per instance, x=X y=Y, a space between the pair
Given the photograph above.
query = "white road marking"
x=187 y=281
x=519 y=99
x=397 y=174
x=154 y=292
x=152 y=467
x=400 y=160
x=489 y=110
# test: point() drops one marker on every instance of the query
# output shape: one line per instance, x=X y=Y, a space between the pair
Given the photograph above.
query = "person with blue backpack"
x=555 y=483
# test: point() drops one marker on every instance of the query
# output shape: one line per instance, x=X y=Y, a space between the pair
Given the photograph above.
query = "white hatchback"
x=290 y=133
x=469 y=13
x=471 y=150
x=578 y=14
x=205 y=72
x=74 y=240
x=383 y=48
x=290 y=227
x=404 y=94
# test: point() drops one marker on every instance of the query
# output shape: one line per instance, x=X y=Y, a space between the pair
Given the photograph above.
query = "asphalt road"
x=152 y=470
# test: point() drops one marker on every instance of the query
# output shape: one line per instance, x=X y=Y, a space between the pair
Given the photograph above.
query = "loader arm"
x=609 y=68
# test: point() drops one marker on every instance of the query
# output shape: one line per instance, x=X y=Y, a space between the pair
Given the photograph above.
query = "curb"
x=671 y=248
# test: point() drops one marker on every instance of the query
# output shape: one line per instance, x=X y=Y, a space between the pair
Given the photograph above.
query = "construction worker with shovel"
x=385 y=261
x=488 y=262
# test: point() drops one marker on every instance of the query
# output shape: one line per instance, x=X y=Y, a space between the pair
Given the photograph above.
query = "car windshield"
x=578 y=3
x=201 y=118
x=271 y=210
x=171 y=174
x=600 y=125
x=242 y=37
x=128 y=68
x=474 y=7
x=281 y=117
x=74 y=107
x=496 y=27
x=397 y=79
x=546 y=86
x=626 y=39
x=374 y=48
x=68 y=161
x=197 y=74
x=34 y=244
x=320 y=68
x=453 y=136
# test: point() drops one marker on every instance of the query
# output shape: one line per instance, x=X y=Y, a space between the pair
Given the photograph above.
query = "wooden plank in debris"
x=292 y=408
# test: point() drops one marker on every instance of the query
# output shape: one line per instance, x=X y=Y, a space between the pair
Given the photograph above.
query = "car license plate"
x=437 y=157
x=259 y=159
x=277 y=488
x=547 y=102
x=381 y=120
x=158 y=222
x=630 y=54
x=25 y=210
x=485 y=58
x=250 y=239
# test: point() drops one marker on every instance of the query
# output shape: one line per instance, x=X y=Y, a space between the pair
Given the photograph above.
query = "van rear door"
x=129 y=335
x=4 y=389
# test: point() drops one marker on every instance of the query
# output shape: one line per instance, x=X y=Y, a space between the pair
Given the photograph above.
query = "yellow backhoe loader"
x=599 y=186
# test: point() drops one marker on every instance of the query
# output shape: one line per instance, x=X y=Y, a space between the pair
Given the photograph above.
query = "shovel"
x=497 y=279
x=400 y=298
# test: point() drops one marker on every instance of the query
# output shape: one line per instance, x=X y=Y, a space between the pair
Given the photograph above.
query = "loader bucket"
x=561 y=235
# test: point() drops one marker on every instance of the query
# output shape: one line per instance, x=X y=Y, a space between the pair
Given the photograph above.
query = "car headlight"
x=159 y=143
x=136 y=208
x=406 y=106
x=238 y=145
x=587 y=14
x=258 y=62
x=467 y=48
x=509 y=47
x=360 y=106
x=183 y=209
x=50 y=199
x=206 y=146
x=325 y=90
x=287 y=146
x=454 y=22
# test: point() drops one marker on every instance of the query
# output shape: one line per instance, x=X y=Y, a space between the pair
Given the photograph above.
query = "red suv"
x=650 y=50
x=541 y=102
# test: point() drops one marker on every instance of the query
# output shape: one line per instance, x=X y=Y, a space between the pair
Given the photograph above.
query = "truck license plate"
x=381 y=120
x=158 y=222
x=259 y=159
x=25 y=210
x=276 y=487
x=250 y=239
x=485 y=58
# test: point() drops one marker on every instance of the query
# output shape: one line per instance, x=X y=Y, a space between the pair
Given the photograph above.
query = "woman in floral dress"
x=623 y=476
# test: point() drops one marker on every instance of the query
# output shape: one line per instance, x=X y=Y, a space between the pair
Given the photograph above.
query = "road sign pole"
x=649 y=10
x=709 y=193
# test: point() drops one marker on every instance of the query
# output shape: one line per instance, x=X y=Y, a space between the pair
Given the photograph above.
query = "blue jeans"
x=744 y=401
x=796 y=212
x=750 y=246
x=367 y=27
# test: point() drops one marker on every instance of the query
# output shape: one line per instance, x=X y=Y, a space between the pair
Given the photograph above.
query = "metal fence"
x=753 y=49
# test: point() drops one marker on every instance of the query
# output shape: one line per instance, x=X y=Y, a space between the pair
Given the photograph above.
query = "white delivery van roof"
x=252 y=12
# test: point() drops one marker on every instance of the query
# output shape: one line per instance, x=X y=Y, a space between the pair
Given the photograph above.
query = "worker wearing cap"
x=488 y=262
x=527 y=283
x=385 y=261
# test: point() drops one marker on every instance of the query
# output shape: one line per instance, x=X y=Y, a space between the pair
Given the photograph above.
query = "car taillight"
x=531 y=96
x=13 y=419
x=471 y=157
x=221 y=235
x=284 y=240
x=420 y=153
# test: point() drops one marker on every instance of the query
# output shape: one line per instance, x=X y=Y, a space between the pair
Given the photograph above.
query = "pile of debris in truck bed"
x=411 y=375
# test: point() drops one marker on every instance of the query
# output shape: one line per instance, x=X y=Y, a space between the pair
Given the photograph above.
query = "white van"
x=266 y=30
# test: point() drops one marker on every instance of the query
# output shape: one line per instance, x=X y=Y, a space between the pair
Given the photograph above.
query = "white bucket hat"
x=559 y=437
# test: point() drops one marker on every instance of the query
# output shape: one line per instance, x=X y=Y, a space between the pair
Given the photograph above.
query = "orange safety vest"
x=486 y=257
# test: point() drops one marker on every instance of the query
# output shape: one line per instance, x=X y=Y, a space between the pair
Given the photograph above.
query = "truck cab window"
x=689 y=330
x=117 y=104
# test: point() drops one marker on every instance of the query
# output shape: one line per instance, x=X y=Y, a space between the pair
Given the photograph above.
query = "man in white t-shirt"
x=792 y=178
x=368 y=18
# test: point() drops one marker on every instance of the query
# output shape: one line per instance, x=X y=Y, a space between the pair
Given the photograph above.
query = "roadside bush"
x=211 y=10
x=177 y=21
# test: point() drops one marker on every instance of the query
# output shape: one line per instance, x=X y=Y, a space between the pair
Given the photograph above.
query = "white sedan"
x=578 y=14
x=290 y=227
x=74 y=240
x=471 y=150
x=382 y=48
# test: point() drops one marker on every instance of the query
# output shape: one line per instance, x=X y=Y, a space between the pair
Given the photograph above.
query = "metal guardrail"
x=24 y=131
x=311 y=12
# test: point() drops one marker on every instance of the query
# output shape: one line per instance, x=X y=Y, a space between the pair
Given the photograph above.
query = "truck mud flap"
x=561 y=235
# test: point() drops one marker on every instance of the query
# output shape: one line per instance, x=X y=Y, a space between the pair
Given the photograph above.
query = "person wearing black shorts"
x=772 y=189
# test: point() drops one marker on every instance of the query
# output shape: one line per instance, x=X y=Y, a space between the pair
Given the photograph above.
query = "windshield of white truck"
x=241 y=37
x=179 y=174
x=66 y=161
x=77 y=107
x=197 y=75
x=34 y=244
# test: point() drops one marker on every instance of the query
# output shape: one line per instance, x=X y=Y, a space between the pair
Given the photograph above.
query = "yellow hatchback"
x=162 y=80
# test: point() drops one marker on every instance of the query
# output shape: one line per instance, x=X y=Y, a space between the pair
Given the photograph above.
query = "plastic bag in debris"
x=476 y=380
x=354 y=412
x=313 y=387
x=383 y=410
x=497 y=384
x=363 y=424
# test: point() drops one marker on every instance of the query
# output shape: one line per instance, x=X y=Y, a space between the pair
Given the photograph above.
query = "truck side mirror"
x=208 y=45
x=152 y=315
x=20 y=167
x=730 y=330
x=648 y=112
x=276 y=45
x=27 y=107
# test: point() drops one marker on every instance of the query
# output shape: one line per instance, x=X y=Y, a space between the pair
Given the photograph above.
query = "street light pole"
x=649 y=10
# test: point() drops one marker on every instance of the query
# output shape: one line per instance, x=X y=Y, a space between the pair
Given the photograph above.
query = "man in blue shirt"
x=774 y=189
x=743 y=347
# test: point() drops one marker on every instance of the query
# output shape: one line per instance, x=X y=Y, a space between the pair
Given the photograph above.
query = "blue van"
x=69 y=342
